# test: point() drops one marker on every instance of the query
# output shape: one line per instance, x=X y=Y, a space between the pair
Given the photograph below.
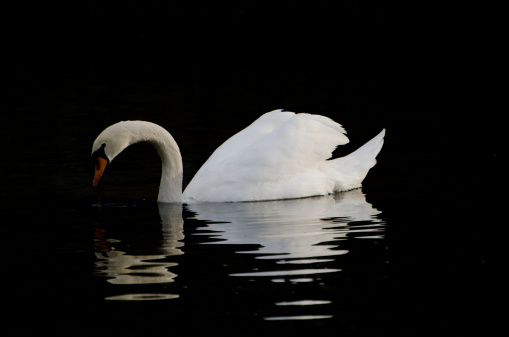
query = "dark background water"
x=206 y=70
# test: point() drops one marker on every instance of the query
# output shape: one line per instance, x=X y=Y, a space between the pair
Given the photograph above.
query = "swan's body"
x=281 y=155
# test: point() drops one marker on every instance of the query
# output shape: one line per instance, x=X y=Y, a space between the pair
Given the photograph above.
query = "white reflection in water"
x=302 y=237
x=141 y=297
x=297 y=318
x=122 y=268
x=303 y=302
x=294 y=232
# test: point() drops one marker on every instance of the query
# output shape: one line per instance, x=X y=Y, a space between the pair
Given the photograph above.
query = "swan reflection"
x=297 y=240
x=122 y=267
x=292 y=232
x=294 y=243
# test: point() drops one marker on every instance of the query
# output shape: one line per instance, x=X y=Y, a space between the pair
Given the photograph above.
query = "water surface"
x=285 y=252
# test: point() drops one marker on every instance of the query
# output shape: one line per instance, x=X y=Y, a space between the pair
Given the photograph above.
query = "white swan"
x=281 y=155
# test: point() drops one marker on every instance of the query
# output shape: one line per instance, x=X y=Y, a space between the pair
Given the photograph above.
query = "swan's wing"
x=300 y=144
x=275 y=158
x=237 y=143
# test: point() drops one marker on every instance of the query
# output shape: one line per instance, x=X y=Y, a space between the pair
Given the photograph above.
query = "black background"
x=427 y=72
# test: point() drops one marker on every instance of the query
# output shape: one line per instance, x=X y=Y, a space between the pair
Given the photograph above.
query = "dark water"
x=407 y=255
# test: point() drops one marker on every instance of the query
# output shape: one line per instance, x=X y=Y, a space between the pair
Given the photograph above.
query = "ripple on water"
x=141 y=297
x=304 y=302
x=288 y=272
x=297 y=318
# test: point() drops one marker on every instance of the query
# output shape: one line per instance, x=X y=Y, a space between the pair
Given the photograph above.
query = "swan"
x=281 y=155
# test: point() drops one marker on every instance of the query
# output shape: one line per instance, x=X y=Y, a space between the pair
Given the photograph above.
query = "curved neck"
x=170 y=188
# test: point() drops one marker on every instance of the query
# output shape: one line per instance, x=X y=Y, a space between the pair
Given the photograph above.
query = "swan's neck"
x=170 y=188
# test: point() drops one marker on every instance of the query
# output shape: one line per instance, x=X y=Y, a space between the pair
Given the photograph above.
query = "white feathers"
x=281 y=155
x=348 y=172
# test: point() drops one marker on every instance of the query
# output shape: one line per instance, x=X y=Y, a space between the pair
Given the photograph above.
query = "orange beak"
x=99 y=170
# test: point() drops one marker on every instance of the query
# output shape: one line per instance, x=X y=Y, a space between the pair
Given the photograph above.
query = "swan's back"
x=280 y=155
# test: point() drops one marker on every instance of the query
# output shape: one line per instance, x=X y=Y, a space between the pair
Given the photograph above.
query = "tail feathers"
x=366 y=154
x=349 y=171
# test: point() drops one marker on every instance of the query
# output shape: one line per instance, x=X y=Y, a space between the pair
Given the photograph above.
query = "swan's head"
x=113 y=140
